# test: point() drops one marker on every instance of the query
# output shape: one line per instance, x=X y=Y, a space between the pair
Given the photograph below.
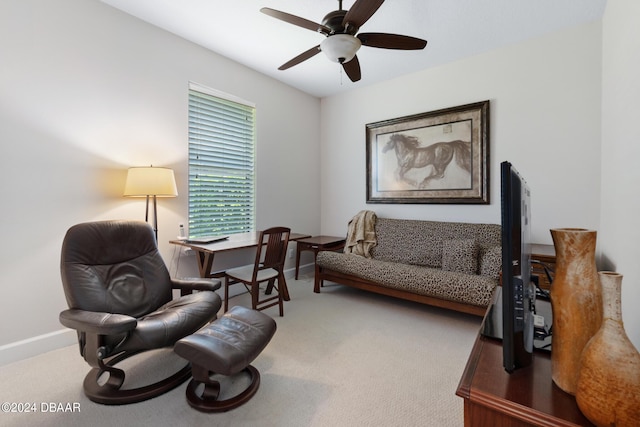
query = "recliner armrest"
x=97 y=322
x=196 y=284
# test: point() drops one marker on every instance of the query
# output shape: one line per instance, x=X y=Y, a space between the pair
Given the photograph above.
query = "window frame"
x=221 y=150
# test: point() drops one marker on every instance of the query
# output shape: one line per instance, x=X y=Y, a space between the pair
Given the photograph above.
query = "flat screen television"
x=518 y=289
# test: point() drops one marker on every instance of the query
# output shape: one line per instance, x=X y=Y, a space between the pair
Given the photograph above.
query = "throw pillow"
x=460 y=255
x=491 y=261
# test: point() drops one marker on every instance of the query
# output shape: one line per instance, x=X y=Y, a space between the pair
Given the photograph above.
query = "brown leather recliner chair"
x=120 y=294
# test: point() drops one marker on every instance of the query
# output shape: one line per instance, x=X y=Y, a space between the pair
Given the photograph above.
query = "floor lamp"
x=151 y=182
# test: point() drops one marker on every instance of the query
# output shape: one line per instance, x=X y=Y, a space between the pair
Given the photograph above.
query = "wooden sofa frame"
x=323 y=273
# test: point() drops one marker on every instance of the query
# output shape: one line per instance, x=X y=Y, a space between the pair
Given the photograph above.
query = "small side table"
x=317 y=244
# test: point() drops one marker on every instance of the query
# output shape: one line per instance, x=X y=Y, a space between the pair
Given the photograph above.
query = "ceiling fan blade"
x=302 y=57
x=352 y=68
x=296 y=20
x=391 y=41
x=360 y=12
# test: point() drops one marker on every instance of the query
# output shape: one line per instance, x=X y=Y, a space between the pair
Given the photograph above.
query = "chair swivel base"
x=207 y=401
x=110 y=393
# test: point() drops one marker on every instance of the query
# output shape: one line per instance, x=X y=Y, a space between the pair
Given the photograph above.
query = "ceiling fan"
x=342 y=42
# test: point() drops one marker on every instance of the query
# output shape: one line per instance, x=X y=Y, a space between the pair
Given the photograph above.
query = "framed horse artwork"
x=436 y=157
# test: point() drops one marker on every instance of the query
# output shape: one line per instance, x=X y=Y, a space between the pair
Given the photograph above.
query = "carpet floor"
x=341 y=358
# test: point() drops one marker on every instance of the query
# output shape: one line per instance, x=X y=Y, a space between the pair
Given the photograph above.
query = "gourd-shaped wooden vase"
x=608 y=391
x=576 y=303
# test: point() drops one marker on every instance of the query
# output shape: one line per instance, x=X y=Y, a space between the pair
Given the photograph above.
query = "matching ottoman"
x=227 y=347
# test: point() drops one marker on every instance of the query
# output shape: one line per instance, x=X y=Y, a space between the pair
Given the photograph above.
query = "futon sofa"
x=446 y=264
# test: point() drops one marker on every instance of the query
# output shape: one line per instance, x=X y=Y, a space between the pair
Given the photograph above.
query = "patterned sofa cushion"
x=490 y=261
x=453 y=261
x=470 y=289
x=421 y=242
x=460 y=255
x=408 y=242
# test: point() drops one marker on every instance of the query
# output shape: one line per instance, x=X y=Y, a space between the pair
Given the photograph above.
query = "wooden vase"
x=608 y=392
x=576 y=303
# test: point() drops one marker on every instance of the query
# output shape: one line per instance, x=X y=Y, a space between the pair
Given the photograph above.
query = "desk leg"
x=205 y=262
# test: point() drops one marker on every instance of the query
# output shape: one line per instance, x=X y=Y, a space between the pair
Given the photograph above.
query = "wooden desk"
x=528 y=397
x=205 y=252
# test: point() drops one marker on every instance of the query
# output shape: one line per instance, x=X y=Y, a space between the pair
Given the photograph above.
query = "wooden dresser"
x=528 y=397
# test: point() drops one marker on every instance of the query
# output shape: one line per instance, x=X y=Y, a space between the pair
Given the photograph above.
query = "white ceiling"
x=454 y=29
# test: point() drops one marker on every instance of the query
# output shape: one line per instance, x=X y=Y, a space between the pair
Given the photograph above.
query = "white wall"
x=619 y=233
x=563 y=110
x=87 y=91
x=544 y=118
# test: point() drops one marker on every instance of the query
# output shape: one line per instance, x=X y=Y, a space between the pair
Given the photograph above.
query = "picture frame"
x=435 y=157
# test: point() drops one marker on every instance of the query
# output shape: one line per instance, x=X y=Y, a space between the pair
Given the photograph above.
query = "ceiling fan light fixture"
x=340 y=48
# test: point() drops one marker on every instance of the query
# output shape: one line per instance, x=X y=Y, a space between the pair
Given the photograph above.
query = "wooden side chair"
x=268 y=267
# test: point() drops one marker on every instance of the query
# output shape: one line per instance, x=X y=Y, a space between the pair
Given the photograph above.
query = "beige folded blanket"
x=361 y=234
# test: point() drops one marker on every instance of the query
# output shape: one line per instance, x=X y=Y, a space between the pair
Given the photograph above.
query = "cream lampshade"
x=150 y=181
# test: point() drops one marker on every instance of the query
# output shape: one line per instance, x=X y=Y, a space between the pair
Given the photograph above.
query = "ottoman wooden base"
x=226 y=347
x=207 y=401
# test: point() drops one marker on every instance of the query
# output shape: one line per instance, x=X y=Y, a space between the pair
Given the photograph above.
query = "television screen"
x=518 y=290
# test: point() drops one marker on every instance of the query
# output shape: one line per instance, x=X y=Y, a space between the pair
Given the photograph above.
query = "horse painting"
x=411 y=155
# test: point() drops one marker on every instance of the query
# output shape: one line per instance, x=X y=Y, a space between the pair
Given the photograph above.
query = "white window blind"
x=221 y=164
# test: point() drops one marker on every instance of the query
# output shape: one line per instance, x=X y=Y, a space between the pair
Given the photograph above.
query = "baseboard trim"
x=34 y=346
x=290 y=273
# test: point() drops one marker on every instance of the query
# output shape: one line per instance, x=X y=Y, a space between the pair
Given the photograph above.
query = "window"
x=221 y=163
